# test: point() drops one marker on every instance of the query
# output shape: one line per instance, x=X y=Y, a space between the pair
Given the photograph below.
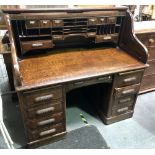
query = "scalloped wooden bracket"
x=129 y=42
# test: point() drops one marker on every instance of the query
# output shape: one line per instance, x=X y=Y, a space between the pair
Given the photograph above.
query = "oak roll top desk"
x=59 y=50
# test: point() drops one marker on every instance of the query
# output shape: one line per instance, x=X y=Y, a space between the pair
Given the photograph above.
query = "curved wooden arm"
x=17 y=76
x=129 y=42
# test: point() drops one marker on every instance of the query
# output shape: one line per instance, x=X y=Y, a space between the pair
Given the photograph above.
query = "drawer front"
x=151 y=69
x=43 y=96
x=151 y=53
x=151 y=39
x=87 y=82
x=122 y=110
x=45 y=121
x=127 y=100
x=30 y=24
x=57 y=23
x=143 y=38
x=128 y=78
x=148 y=82
x=45 y=24
x=44 y=110
x=126 y=91
x=34 y=45
x=92 y=21
x=47 y=132
x=148 y=39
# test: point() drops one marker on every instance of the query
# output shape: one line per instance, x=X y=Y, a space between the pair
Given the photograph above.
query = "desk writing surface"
x=62 y=67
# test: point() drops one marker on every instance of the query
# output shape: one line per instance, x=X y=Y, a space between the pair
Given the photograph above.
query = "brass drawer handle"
x=92 y=19
x=125 y=100
x=45 y=110
x=151 y=40
x=46 y=122
x=45 y=21
x=130 y=79
x=104 y=78
x=43 y=98
x=37 y=44
x=78 y=83
x=57 y=21
x=47 y=132
x=122 y=109
x=32 y=22
x=130 y=91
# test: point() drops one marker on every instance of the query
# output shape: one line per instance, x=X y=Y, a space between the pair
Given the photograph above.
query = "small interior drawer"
x=32 y=24
x=35 y=45
x=126 y=91
x=45 y=24
x=92 y=21
x=128 y=78
x=45 y=122
x=57 y=23
x=43 y=96
x=111 y=20
x=42 y=133
x=44 y=110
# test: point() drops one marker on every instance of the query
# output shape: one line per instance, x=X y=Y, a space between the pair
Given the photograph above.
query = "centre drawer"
x=45 y=121
x=126 y=91
x=128 y=78
x=46 y=132
x=91 y=81
x=43 y=96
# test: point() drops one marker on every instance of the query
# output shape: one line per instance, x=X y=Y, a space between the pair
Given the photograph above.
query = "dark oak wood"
x=63 y=66
x=91 y=48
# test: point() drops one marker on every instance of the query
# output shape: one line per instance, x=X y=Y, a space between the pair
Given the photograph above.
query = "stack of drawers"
x=126 y=87
x=148 y=82
x=44 y=113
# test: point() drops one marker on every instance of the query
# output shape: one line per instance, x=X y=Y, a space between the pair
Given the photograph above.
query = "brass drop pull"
x=78 y=83
x=45 y=21
x=124 y=100
x=130 y=79
x=43 y=98
x=47 y=132
x=122 y=109
x=104 y=78
x=45 y=110
x=130 y=91
x=46 y=122
x=32 y=22
x=37 y=44
x=151 y=40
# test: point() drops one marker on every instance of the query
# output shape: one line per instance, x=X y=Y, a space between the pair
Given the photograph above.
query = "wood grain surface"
x=60 y=67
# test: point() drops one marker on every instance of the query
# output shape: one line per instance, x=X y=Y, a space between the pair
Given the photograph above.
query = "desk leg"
x=8 y=63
